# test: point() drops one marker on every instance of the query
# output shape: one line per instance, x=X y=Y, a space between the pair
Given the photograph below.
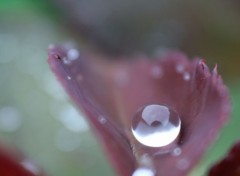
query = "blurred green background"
x=35 y=113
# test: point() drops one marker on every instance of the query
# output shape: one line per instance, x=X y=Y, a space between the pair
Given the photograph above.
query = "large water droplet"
x=143 y=172
x=156 y=126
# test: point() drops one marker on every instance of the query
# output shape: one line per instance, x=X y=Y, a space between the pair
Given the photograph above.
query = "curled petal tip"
x=215 y=69
x=202 y=63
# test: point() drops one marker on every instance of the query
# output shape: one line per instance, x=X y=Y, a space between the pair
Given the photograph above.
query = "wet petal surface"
x=111 y=93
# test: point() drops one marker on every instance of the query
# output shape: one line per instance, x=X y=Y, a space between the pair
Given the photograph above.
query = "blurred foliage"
x=32 y=95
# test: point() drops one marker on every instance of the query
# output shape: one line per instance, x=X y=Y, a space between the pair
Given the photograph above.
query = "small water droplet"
x=69 y=78
x=186 y=76
x=102 y=120
x=179 y=68
x=156 y=125
x=145 y=160
x=183 y=164
x=143 y=171
x=177 y=151
x=156 y=72
x=66 y=60
x=72 y=54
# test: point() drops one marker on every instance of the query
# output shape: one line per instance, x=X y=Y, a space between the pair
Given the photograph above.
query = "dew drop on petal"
x=156 y=126
x=102 y=120
x=69 y=78
x=66 y=60
x=72 y=54
x=143 y=171
x=186 y=76
x=179 y=68
x=177 y=151
x=145 y=160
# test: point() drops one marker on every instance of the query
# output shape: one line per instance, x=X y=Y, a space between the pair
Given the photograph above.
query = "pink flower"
x=112 y=93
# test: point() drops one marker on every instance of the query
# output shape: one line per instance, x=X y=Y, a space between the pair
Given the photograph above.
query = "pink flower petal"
x=114 y=91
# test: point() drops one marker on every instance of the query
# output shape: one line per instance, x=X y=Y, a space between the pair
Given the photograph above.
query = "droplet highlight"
x=156 y=126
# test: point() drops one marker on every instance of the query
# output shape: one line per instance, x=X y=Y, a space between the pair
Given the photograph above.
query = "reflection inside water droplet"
x=156 y=126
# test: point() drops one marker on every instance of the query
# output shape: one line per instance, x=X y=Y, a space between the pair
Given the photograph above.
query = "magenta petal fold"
x=111 y=92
